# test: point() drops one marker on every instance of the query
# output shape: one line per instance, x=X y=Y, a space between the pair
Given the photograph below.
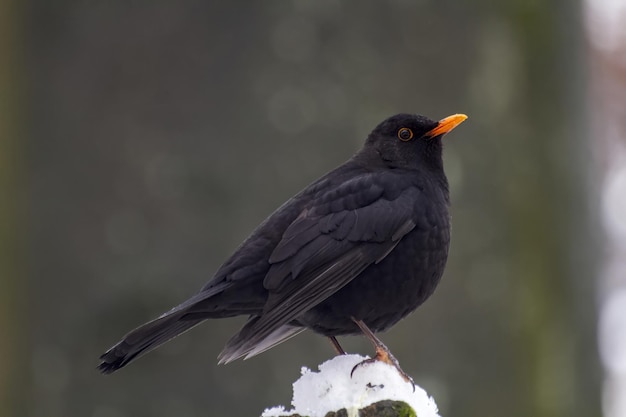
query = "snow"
x=332 y=388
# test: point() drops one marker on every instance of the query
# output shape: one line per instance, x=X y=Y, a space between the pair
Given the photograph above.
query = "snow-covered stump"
x=375 y=389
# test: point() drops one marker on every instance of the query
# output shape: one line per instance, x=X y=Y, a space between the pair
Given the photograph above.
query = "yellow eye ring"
x=405 y=134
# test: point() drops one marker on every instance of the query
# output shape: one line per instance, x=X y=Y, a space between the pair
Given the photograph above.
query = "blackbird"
x=354 y=252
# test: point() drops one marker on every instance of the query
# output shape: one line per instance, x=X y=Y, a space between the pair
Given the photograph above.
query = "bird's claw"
x=385 y=356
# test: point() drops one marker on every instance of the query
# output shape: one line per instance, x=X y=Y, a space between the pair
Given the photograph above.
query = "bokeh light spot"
x=292 y=110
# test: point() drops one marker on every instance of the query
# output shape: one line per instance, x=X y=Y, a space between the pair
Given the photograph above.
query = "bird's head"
x=410 y=140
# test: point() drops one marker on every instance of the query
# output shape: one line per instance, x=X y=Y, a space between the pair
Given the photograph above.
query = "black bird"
x=354 y=252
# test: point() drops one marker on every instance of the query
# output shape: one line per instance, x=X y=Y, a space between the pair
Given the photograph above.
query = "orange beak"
x=446 y=124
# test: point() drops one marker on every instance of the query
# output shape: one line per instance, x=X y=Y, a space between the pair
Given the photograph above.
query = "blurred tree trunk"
x=546 y=215
x=11 y=278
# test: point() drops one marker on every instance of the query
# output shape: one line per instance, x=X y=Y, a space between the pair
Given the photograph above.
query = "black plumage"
x=360 y=248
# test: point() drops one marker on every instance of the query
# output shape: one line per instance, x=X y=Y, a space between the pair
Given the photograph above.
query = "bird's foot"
x=384 y=355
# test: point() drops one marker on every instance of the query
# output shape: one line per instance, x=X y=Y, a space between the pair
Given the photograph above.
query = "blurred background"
x=142 y=141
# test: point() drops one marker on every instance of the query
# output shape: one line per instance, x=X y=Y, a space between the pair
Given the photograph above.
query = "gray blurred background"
x=143 y=140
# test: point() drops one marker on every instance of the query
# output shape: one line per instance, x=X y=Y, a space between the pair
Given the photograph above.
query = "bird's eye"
x=405 y=134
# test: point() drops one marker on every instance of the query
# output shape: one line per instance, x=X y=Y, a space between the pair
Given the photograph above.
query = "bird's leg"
x=382 y=353
x=336 y=345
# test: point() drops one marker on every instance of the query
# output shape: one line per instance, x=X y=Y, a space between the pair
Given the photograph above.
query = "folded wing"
x=330 y=243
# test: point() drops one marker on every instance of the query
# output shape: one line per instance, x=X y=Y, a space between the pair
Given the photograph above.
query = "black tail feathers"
x=142 y=340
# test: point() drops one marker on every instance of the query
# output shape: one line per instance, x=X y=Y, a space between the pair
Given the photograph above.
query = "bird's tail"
x=143 y=339
x=156 y=332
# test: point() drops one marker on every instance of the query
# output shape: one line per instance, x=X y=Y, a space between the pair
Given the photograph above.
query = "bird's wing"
x=332 y=241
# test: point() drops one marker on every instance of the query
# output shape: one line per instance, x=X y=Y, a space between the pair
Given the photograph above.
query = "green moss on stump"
x=386 y=408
